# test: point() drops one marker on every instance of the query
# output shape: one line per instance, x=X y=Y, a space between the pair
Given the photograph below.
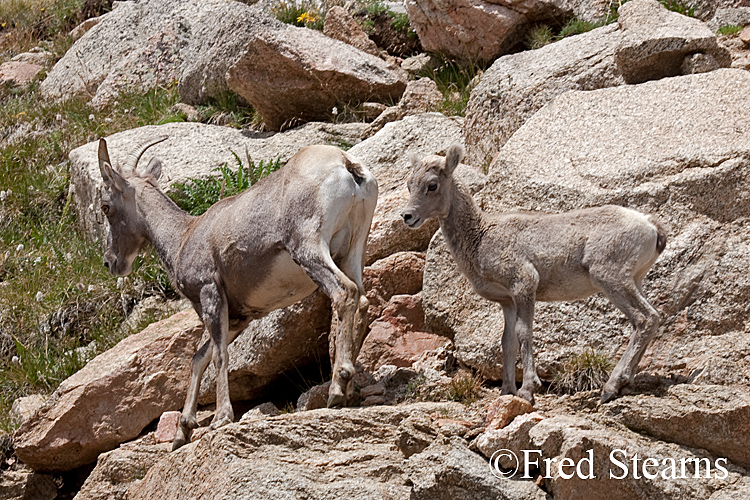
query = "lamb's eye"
x=105 y=209
x=432 y=187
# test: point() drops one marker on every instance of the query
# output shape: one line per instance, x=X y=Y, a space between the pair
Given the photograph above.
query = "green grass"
x=455 y=80
x=196 y=195
x=539 y=36
x=729 y=29
x=56 y=295
x=586 y=371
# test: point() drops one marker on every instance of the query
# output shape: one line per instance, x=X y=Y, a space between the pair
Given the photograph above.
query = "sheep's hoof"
x=220 y=422
x=608 y=396
x=179 y=441
x=336 y=400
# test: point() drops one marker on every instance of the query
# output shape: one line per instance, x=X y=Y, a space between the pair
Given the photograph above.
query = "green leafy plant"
x=195 y=196
x=577 y=26
x=678 y=6
x=729 y=29
x=586 y=371
x=455 y=80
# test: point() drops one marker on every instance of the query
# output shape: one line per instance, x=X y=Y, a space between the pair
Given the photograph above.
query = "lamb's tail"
x=661 y=234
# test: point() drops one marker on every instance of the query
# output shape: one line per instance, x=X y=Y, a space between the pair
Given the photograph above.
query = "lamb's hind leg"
x=645 y=320
x=345 y=297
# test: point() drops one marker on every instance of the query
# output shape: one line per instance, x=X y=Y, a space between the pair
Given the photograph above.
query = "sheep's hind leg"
x=524 y=329
x=510 y=349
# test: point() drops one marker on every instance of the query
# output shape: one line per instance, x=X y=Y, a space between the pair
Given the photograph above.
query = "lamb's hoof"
x=526 y=394
x=336 y=400
x=608 y=396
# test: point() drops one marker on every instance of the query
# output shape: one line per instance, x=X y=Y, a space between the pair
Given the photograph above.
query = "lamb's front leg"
x=510 y=349
x=524 y=329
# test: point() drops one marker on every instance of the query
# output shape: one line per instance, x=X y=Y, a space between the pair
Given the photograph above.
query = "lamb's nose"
x=407 y=217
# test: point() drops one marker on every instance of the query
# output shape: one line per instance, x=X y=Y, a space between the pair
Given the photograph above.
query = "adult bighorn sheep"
x=303 y=227
x=516 y=259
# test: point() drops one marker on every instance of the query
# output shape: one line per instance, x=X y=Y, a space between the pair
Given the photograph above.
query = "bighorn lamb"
x=516 y=259
x=303 y=227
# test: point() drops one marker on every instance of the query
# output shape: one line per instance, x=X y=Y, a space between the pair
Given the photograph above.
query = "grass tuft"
x=729 y=29
x=465 y=387
x=455 y=80
x=582 y=372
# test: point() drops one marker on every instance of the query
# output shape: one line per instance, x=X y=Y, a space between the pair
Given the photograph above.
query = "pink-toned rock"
x=18 y=73
x=398 y=337
x=340 y=25
x=504 y=410
x=295 y=75
x=167 y=426
x=397 y=274
x=472 y=30
x=745 y=36
x=112 y=398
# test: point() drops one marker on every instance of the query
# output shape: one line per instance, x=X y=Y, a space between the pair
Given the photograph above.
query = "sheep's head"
x=125 y=236
x=429 y=185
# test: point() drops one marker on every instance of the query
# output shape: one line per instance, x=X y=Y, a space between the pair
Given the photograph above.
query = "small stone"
x=372 y=390
x=371 y=110
x=373 y=400
x=504 y=410
x=167 y=426
x=18 y=73
x=745 y=36
x=191 y=114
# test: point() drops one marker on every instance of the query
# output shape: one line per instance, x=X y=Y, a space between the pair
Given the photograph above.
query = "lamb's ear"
x=153 y=170
x=111 y=176
x=453 y=157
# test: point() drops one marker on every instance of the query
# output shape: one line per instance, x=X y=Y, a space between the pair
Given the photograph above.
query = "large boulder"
x=712 y=417
x=609 y=460
x=112 y=398
x=518 y=85
x=320 y=454
x=140 y=45
x=677 y=148
x=292 y=75
x=657 y=43
x=648 y=42
x=478 y=30
x=193 y=150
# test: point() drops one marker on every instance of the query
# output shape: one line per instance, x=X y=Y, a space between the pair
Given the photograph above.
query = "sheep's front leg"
x=188 y=420
x=510 y=349
x=216 y=319
x=524 y=329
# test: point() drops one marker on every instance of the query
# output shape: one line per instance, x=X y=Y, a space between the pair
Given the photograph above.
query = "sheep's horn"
x=132 y=160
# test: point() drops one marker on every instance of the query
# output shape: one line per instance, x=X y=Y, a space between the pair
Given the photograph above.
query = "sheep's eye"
x=432 y=187
x=105 y=209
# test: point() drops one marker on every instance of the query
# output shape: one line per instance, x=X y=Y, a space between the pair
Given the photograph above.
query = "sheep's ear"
x=112 y=178
x=453 y=157
x=153 y=170
x=414 y=160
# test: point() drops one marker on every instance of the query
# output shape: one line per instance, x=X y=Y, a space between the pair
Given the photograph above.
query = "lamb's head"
x=125 y=236
x=430 y=184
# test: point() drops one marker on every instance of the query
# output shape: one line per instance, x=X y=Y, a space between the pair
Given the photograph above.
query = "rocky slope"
x=642 y=113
